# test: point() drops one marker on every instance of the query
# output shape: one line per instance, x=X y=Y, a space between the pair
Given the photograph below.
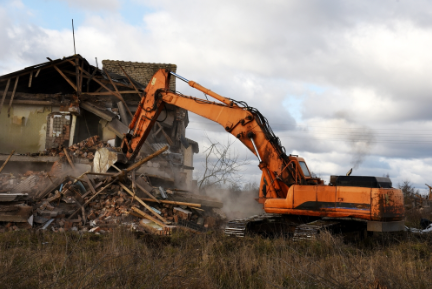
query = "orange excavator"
x=292 y=197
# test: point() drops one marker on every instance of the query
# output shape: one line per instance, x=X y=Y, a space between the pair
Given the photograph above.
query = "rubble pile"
x=84 y=149
x=11 y=182
x=60 y=200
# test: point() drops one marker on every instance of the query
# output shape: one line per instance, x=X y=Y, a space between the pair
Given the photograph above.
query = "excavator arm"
x=287 y=187
x=245 y=123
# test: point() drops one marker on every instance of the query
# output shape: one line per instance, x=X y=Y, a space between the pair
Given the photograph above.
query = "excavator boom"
x=245 y=123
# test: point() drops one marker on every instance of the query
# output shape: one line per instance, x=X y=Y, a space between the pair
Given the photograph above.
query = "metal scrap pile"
x=99 y=202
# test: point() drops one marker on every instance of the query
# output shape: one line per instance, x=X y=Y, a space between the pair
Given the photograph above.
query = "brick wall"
x=139 y=71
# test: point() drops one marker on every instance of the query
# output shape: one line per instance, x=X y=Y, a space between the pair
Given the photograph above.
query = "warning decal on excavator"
x=153 y=81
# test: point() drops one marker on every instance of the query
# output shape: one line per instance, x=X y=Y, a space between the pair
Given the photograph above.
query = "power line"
x=360 y=133
x=395 y=141
x=299 y=128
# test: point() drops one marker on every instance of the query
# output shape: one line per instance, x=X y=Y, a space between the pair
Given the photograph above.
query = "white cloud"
x=348 y=65
x=94 y=5
x=16 y=4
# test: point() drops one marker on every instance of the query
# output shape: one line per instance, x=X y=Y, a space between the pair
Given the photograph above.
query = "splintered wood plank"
x=69 y=159
x=142 y=202
x=130 y=80
x=4 y=94
x=173 y=203
x=7 y=160
x=13 y=95
x=30 y=79
x=147 y=216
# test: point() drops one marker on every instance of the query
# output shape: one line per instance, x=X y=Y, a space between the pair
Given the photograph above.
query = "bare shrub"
x=222 y=165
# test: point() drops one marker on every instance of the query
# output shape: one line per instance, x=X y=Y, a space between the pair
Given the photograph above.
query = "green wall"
x=25 y=130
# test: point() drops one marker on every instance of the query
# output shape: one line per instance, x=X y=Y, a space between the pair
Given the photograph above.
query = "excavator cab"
x=300 y=173
x=303 y=168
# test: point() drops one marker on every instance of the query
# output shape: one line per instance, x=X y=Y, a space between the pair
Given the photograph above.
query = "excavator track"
x=238 y=227
x=264 y=225
x=311 y=230
x=276 y=224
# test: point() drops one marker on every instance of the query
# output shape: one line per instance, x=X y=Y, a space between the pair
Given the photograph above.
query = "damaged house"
x=65 y=101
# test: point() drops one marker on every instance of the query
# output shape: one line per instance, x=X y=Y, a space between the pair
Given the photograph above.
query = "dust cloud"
x=237 y=203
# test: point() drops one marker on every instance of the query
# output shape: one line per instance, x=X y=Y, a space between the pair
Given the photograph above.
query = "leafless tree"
x=408 y=189
x=222 y=165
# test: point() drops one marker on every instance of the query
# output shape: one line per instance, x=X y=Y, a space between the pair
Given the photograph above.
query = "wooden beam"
x=6 y=161
x=146 y=159
x=4 y=94
x=96 y=187
x=69 y=159
x=147 y=216
x=130 y=80
x=30 y=79
x=13 y=94
x=110 y=80
x=65 y=77
x=160 y=177
x=101 y=174
x=171 y=143
x=174 y=203
x=101 y=84
x=115 y=87
x=147 y=193
x=45 y=66
x=158 y=131
x=109 y=93
x=77 y=78
x=81 y=77
x=99 y=89
x=37 y=72
x=90 y=78
x=118 y=84
x=89 y=183
x=142 y=203
x=102 y=80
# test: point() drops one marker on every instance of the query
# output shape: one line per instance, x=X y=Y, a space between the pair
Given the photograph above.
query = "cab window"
x=304 y=169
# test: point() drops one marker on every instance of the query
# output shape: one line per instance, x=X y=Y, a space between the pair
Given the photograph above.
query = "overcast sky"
x=343 y=83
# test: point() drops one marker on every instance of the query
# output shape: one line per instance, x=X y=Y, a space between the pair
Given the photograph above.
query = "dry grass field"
x=125 y=260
